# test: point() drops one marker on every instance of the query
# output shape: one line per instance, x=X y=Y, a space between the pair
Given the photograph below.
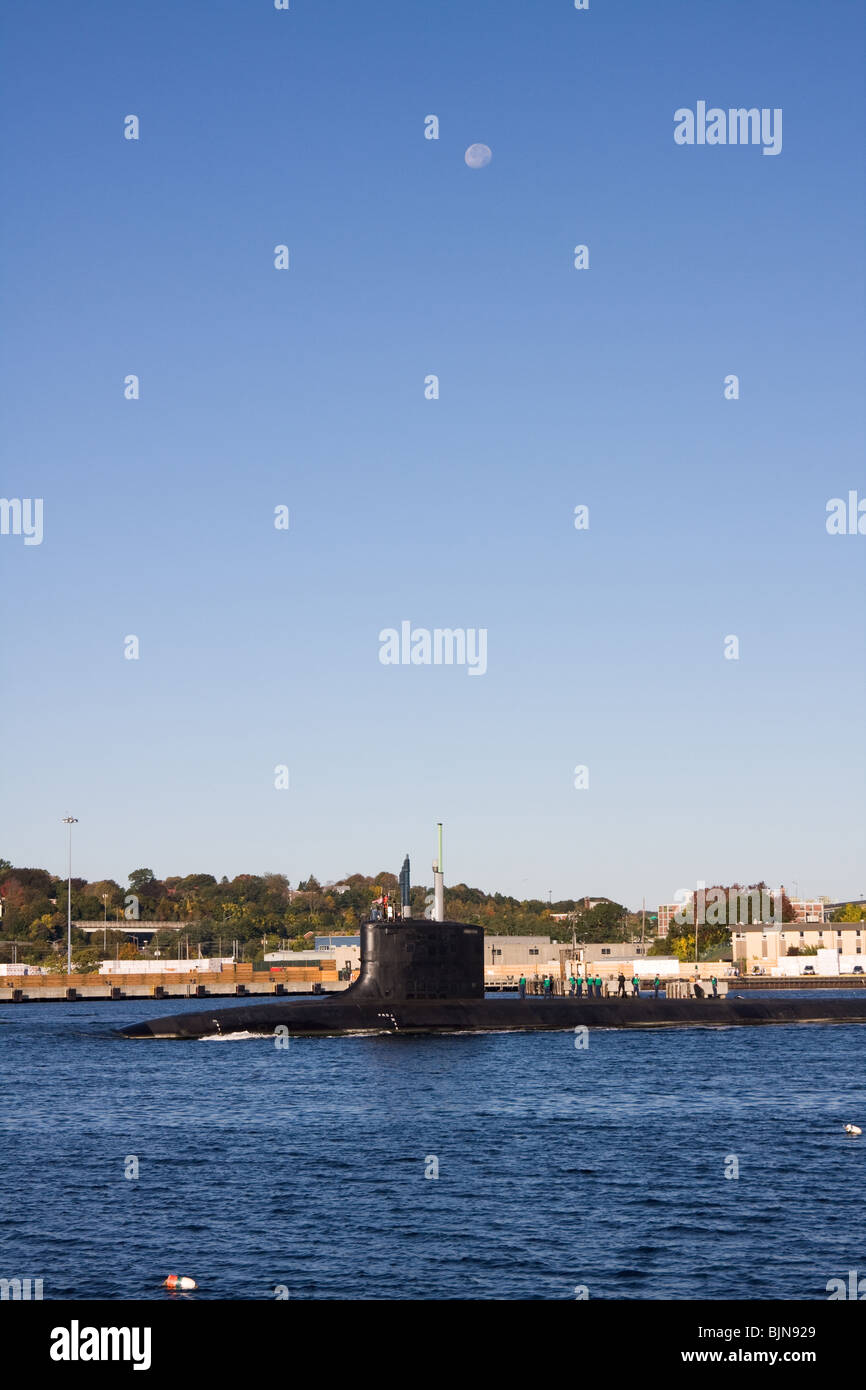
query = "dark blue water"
x=305 y=1168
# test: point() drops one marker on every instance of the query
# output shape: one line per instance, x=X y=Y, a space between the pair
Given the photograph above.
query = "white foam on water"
x=245 y=1036
x=233 y=1037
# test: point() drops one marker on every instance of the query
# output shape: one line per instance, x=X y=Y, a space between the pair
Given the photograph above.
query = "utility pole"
x=69 y=821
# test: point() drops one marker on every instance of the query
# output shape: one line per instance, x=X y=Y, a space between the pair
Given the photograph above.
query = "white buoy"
x=179 y=1281
x=853 y=1129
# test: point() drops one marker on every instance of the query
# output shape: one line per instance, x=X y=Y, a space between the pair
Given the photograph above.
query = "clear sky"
x=604 y=387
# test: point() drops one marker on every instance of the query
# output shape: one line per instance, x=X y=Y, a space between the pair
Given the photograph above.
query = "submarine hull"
x=314 y=1017
x=428 y=977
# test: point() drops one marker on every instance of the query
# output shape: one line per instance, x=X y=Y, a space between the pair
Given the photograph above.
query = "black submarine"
x=427 y=976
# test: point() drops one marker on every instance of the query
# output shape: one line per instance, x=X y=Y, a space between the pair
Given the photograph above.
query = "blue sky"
x=558 y=387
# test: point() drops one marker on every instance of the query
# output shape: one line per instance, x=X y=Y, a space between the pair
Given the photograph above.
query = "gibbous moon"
x=478 y=155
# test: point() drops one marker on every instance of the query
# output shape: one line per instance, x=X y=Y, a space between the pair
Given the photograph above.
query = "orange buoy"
x=179 y=1281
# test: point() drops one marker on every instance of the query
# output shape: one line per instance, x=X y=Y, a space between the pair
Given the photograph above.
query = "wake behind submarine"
x=427 y=976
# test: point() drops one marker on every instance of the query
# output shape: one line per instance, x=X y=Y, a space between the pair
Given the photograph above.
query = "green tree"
x=138 y=878
x=851 y=912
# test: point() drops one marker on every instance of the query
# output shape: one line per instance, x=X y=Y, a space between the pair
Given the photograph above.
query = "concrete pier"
x=29 y=989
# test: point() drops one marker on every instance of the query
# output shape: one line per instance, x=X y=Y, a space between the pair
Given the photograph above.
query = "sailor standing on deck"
x=521 y=986
x=656 y=984
x=620 y=985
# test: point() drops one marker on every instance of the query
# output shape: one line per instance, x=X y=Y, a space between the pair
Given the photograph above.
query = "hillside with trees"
x=262 y=912
x=257 y=911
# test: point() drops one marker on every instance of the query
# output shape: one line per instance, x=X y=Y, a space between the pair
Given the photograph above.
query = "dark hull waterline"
x=315 y=1017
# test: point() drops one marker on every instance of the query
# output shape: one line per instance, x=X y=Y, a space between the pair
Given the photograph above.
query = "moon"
x=478 y=155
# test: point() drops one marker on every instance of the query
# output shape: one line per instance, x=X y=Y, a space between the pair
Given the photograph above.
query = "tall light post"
x=105 y=922
x=69 y=821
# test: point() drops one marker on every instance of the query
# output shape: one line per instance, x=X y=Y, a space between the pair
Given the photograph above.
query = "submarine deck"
x=321 y=1017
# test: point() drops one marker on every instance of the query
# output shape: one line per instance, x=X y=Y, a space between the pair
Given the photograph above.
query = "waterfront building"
x=343 y=959
x=765 y=945
x=666 y=912
x=809 y=910
x=508 y=957
x=528 y=955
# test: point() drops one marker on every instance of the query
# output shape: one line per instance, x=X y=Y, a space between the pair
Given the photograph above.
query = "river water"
x=302 y=1170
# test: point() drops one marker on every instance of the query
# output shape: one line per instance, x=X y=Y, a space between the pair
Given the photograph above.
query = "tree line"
x=265 y=912
x=258 y=911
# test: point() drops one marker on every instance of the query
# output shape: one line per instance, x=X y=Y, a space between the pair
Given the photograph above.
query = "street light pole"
x=69 y=821
x=105 y=921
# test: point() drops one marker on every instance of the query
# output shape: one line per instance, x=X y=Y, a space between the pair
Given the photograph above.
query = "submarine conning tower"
x=415 y=958
x=419 y=958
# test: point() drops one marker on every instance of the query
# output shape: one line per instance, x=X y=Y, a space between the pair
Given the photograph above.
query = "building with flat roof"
x=765 y=945
x=526 y=954
x=512 y=956
x=809 y=910
x=666 y=913
x=597 y=952
x=140 y=933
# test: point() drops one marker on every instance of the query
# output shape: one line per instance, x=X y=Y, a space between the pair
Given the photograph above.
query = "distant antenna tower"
x=405 y=894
